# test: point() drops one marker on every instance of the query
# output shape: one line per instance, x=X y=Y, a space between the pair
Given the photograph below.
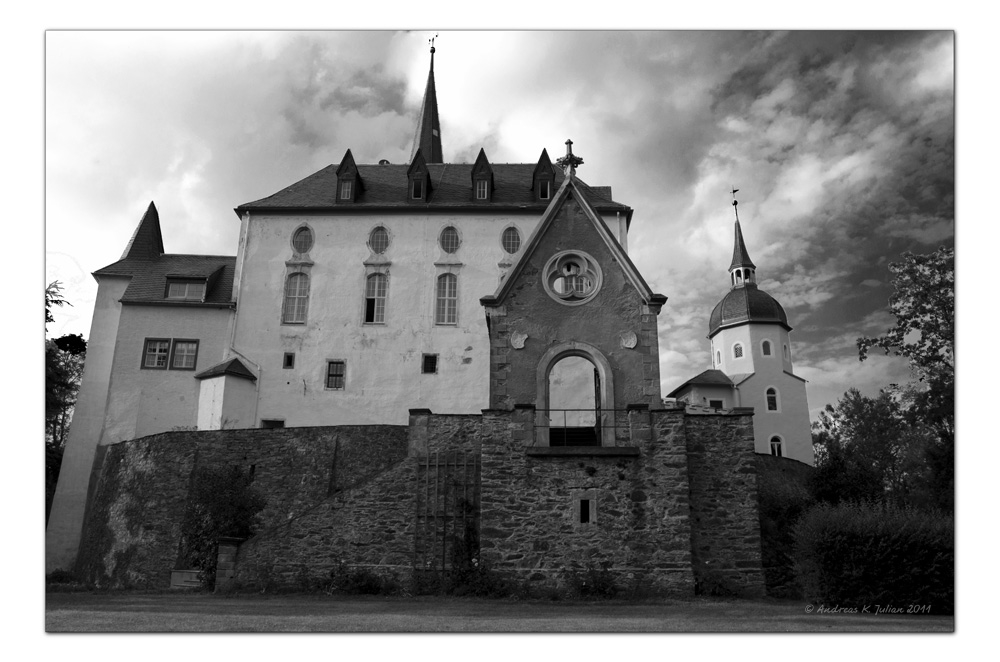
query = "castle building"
x=752 y=364
x=400 y=355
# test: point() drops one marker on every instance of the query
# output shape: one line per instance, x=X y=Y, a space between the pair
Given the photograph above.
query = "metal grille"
x=582 y=427
x=447 y=510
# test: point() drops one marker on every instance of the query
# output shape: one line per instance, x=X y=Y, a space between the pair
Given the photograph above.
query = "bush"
x=221 y=504
x=355 y=580
x=782 y=502
x=857 y=554
x=592 y=582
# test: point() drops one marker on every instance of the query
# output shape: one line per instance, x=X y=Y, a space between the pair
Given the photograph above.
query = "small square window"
x=429 y=366
x=584 y=506
x=346 y=188
x=335 y=374
x=715 y=404
x=288 y=362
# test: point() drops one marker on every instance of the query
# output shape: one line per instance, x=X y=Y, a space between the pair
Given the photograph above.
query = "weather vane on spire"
x=571 y=160
x=431 y=42
x=735 y=203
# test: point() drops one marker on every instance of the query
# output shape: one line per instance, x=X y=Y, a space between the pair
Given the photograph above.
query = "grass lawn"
x=200 y=612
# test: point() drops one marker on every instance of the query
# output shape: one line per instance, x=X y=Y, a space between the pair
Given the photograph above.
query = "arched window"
x=449 y=240
x=378 y=240
x=784 y=349
x=772 y=399
x=776 y=446
x=511 y=240
x=765 y=348
x=296 y=299
x=302 y=240
x=737 y=351
x=446 y=311
x=375 y=291
x=718 y=358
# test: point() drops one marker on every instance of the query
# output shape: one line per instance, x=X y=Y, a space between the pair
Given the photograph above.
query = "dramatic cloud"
x=841 y=143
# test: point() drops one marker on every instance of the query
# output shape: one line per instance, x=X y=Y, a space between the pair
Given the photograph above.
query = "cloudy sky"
x=842 y=146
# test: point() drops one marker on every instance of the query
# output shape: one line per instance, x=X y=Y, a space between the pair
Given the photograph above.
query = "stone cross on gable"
x=570 y=161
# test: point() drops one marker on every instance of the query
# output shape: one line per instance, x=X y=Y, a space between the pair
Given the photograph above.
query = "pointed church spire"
x=428 y=138
x=742 y=270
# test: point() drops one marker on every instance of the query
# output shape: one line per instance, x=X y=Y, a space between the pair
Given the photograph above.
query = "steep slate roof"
x=149 y=268
x=746 y=304
x=428 y=137
x=573 y=186
x=386 y=187
x=232 y=366
x=707 y=378
x=741 y=258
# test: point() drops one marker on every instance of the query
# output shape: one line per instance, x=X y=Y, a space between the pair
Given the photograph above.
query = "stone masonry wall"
x=725 y=523
x=132 y=533
x=530 y=517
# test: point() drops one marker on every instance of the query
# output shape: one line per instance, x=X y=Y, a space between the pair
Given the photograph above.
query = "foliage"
x=221 y=503
x=53 y=297
x=859 y=554
x=923 y=303
x=64 y=359
x=868 y=449
x=782 y=501
x=357 y=580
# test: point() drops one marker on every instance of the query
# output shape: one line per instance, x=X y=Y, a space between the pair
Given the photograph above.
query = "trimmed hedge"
x=859 y=554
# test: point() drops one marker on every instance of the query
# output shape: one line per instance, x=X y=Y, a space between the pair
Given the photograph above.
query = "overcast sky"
x=842 y=146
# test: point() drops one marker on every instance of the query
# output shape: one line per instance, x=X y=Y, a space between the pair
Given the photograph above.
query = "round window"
x=572 y=278
x=449 y=240
x=511 y=240
x=378 y=240
x=302 y=240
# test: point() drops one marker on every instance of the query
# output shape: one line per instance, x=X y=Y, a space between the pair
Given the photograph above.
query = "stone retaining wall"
x=132 y=532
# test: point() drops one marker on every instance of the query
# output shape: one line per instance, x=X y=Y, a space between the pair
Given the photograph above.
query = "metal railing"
x=581 y=427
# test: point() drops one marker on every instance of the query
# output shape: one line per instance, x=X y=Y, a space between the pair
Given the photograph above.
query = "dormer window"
x=417 y=189
x=186 y=290
x=482 y=177
x=349 y=183
x=544 y=189
x=482 y=189
x=419 y=179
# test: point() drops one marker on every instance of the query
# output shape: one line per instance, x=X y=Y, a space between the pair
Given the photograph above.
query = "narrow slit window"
x=584 y=511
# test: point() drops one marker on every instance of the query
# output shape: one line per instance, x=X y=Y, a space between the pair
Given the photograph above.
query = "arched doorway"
x=574 y=403
x=579 y=396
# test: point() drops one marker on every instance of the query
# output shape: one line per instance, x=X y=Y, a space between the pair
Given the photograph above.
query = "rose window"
x=572 y=278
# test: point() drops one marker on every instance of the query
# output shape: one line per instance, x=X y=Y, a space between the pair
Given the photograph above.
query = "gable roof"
x=232 y=366
x=149 y=278
x=706 y=378
x=386 y=188
x=571 y=187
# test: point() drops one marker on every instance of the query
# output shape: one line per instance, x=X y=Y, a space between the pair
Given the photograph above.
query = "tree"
x=64 y=358
x=923 y=303
x=868 y=450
